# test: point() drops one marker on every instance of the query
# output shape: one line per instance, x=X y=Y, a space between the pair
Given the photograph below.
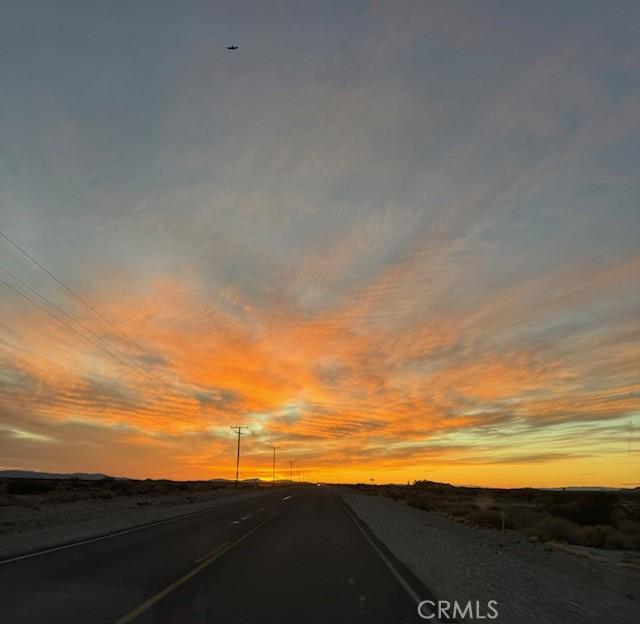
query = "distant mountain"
x=32 y=474
x=221 y=480
x=587 y=488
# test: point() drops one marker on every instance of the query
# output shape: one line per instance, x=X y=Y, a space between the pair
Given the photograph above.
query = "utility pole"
x=238 y=430
x=291 y=470
x=274 y=465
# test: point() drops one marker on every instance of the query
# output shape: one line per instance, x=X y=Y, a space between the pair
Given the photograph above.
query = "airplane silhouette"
x=232 y=47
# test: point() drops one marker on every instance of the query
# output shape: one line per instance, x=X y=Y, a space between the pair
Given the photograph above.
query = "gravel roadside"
x=28 y=530
x=533 y=583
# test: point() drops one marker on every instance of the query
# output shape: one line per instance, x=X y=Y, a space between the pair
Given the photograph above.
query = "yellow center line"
x=207 y=559
x=213 y=551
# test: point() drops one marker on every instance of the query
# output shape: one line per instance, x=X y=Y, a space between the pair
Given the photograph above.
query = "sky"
x=396 y=240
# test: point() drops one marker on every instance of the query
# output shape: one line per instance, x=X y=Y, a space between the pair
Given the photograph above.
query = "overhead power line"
x=77 y=296
x=99 y=342
x=96 y=343
x=62 y=321
x=64 y=313
x=103 y=341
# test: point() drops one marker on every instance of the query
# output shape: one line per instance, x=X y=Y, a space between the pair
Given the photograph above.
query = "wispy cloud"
x=407 y=248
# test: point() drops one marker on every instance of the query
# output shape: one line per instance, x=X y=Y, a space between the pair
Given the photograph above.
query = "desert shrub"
x=606 y=537
x=420 y=500
x=591 y=509
x=119 y=486
x=460 y=509
x=618 y=540
x=489 y=518
x=629 y=527
x=556 y=528
x=522 y=517
x=525 y=494
x=29 y=486
x=169 y=488
x=632 y=508
x=77 y=484
x=618 y=516
x=201 y=486
x=595 y=536
x=432 y=486
x=102 y=494
x=594 y=508
x=394 y=492
x=559 y=497
x=66 y=497
x=149 y=488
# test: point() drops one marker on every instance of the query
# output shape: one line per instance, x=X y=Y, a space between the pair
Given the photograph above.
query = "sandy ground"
x=533 y=583
x=27 y=529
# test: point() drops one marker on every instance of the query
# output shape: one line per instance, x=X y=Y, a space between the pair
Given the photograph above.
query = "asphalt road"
x=289 y=556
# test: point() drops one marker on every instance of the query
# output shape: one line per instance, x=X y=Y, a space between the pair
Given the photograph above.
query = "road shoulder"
x=100 y=521
x=530 y=583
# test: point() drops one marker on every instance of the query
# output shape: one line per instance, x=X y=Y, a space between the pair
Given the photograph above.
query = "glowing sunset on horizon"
x=396 y=245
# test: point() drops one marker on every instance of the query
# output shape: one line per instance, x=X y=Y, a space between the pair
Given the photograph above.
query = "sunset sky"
x=397 y=240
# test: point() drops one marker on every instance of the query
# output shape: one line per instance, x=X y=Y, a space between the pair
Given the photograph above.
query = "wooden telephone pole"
x=238 y=430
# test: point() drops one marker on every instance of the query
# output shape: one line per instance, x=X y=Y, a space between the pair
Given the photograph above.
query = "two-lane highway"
x=295 y=555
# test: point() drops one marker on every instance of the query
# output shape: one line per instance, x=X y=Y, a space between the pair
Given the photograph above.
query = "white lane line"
x=208 y=560
x=99 y=538
x=416 y=598
x=286 y=498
